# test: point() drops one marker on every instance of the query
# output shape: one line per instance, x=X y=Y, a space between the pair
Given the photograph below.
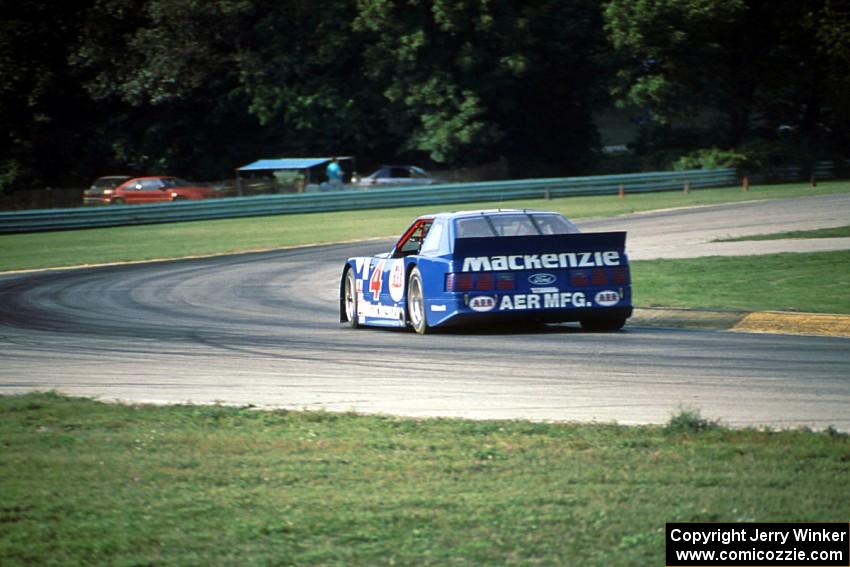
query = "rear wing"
x=550 y=252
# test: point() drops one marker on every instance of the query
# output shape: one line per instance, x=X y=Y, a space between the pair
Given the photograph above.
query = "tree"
x=549 y=124
x=44 y=114
x=427 y=62
x=469 y=80
x=174 y=95
x=761 y=65
x=195 y=88
x=828 y=22
x=676 y=56
x=303 y=75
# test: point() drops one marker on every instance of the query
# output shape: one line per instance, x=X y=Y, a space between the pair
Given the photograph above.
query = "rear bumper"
x=461 y=318
x=558 y=306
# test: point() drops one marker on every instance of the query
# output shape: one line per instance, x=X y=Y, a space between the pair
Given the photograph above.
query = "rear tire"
x=349 y=299
x=600 y=324
x=416 y=303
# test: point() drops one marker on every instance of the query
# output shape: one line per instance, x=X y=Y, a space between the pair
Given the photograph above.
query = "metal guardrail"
x=818 y=170
x=359 y=199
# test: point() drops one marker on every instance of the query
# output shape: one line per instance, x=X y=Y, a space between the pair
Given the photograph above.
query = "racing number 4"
x=376 y=282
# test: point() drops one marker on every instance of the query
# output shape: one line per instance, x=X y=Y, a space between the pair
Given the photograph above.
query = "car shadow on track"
x=522 y=329
x=503 y=329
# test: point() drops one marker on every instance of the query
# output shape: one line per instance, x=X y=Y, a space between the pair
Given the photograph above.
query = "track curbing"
x=776 y=322
x=829 y=324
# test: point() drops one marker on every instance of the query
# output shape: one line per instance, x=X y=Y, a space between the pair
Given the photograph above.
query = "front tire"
x=416 y=303
x=349 y=298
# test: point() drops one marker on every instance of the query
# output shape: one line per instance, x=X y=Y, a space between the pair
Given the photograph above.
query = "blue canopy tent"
x=312 y=168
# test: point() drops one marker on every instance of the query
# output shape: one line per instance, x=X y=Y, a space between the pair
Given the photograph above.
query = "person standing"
x=334 y=173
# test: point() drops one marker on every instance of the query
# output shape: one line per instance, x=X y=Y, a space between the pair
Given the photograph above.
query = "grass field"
x=103 y=245
x=815 y=282
x=86 y=483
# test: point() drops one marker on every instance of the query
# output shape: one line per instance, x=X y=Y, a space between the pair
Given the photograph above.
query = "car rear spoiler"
x=595 y=249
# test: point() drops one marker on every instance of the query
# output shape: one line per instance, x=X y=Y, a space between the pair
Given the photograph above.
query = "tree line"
x=197 y=88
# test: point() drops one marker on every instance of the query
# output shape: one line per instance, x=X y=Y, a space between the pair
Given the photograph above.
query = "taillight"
x=504 y=281
x=484 y=282
x=579 y=278
x=463 y=282
x=620 y=275
x=458 y=282
x=599 y=277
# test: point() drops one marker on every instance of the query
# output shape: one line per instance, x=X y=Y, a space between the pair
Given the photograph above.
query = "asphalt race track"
x=261 y=329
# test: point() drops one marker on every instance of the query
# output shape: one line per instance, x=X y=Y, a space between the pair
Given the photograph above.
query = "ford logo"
x=542 y=279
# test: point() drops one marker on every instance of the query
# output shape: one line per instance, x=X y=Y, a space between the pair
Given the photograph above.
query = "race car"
x=475 y=267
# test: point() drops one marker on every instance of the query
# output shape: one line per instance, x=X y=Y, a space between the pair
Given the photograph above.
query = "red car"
x=141 y=190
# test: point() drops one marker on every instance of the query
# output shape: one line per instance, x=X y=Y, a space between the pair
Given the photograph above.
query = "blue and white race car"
x=486 y=266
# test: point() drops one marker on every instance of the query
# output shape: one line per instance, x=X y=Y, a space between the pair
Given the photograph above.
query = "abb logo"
x=482 y=303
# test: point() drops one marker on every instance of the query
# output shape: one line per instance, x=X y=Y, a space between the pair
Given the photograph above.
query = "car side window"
x=413 y=243
x=434 y=240
x=149 y=184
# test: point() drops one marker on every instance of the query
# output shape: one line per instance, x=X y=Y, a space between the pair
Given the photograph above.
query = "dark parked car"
x=395 y=176
x=139 y=190
x=101 y=184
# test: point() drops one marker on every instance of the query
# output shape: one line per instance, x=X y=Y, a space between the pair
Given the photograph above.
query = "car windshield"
x=519 y=224
x=108 y=182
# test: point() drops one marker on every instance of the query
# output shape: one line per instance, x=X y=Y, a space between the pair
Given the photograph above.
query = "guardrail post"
x=547 y=195
x=814 y=181
x=622 y=191
x=746 y=183
x=687 y=188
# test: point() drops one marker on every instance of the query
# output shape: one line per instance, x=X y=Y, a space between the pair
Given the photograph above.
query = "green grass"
x=103 y=245
x=815 y=282
x=86 y=483
x=836 y=232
